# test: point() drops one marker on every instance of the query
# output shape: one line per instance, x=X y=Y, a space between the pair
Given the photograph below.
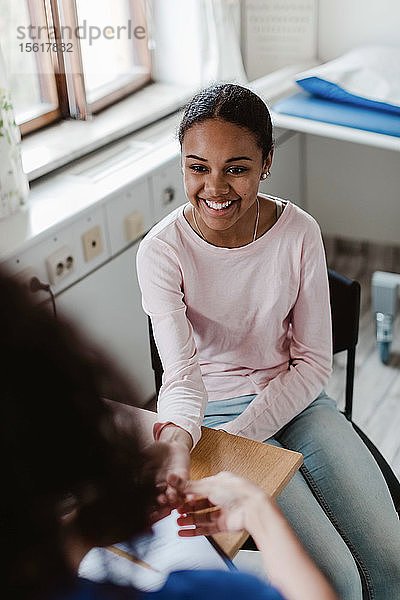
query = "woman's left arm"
x=310 y=366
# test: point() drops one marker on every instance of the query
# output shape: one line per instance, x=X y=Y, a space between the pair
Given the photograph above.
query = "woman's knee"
x=320 y=538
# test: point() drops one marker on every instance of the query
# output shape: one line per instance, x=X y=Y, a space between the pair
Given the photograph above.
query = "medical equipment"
x=384 y=288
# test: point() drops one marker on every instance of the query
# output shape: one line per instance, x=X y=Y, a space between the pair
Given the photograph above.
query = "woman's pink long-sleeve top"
x=235 y=321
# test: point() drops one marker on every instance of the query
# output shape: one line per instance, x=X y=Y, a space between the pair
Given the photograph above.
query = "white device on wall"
x=278 y=33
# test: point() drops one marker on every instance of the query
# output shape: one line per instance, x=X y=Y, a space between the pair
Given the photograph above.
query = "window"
x=113 y=69
x=71 y=58
x=30 y=74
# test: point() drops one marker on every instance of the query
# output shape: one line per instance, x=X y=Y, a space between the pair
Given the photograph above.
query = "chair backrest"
x=155 y=359
x=345 y=310
x=345 y=306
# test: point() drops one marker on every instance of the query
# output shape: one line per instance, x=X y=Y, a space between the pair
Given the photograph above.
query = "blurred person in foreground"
x=74 y=478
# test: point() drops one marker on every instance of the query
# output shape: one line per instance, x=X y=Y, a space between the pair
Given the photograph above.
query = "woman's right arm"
x=183 y=397
x=239 y=504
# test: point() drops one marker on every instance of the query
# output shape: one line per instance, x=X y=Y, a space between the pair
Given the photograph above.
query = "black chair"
x=155 y=359
x=345 y=310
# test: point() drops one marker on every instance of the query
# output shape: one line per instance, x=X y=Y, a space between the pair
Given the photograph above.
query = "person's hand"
x=161 y=460
x=168 y=456
x=224 y=504
x=229 y=503
x=177 y=463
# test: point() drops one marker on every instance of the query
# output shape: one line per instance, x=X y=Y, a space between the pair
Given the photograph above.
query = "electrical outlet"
x=26 y=275
x=60 y=264
x=92 y=243
x=29 y=275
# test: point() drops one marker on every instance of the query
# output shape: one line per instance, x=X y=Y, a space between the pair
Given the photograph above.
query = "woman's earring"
x=265 y=175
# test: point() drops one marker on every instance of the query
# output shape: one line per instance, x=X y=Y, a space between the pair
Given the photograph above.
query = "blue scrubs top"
x=180 y=585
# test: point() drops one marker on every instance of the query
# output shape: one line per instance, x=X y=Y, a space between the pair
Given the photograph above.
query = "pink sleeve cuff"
x=194 y=432
x=157 y=428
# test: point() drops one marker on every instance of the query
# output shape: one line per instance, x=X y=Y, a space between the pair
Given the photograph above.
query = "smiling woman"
x=221 y=179
x=222 y=188
x=235 y=283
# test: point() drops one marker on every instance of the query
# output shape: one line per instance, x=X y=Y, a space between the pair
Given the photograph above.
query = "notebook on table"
x=146 y=561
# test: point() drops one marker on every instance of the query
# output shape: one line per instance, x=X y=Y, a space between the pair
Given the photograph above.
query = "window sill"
x=53 y=202
x=63 y=142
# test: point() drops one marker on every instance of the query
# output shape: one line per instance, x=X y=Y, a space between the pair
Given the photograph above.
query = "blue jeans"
x=338 y=503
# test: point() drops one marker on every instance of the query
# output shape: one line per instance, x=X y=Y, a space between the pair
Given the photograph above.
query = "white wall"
x=345 y=24
x=286 y=179
x=352 y=190
x=277 y=33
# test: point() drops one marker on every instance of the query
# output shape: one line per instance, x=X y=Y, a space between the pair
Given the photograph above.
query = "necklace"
x=255 y=225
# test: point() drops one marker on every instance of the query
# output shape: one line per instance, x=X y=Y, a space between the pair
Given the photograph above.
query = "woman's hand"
x=230 y=500
x=176 y=463
x=161 y=460
x=230 y=503
x=177 y=444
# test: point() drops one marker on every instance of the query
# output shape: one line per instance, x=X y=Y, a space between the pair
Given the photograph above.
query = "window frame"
x=64 y=86
x=48 y=111
x=137 y=9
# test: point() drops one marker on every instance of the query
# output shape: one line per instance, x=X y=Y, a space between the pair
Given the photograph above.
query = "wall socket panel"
x=60 y=264
x=92 y=242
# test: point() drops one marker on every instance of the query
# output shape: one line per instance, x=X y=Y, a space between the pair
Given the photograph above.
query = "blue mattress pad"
x=312 y=107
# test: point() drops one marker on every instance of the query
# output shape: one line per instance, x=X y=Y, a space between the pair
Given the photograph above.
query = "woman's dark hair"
x=234 y=104
x=59 y=444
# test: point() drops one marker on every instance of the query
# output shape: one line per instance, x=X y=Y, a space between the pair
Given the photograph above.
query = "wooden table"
x=268 y=466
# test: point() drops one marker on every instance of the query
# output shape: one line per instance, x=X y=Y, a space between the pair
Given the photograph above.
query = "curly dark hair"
x=58 y=440
x=234 y=104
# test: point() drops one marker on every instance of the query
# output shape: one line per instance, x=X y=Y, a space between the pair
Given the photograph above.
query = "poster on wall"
x=277 y=33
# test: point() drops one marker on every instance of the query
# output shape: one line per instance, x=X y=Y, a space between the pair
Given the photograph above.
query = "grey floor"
x=376 y=406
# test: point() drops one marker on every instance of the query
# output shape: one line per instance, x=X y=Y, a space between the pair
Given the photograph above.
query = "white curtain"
x=13 y=181
x=196 y=42
x=221 y=44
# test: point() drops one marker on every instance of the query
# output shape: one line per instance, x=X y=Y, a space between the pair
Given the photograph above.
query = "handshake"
x=229 y=503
